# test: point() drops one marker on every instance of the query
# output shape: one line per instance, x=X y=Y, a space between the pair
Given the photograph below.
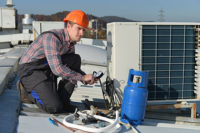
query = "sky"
x=141 y=10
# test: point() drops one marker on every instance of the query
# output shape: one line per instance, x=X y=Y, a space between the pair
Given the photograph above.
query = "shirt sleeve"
x=51 y=49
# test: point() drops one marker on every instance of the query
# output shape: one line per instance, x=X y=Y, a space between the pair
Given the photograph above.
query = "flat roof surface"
x=32 y=120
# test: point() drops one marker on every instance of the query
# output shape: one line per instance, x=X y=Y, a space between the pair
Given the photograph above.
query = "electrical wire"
x=110 y=94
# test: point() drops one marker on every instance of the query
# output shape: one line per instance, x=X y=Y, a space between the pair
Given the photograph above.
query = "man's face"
x=75 y=32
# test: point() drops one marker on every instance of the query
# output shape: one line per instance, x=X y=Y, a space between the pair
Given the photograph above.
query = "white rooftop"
x=32 y=120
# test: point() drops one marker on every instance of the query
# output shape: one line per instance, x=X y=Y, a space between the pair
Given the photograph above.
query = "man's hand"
x=88 y=79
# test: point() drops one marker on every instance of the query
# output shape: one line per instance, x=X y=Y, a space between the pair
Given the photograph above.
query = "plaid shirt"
x=49 y=46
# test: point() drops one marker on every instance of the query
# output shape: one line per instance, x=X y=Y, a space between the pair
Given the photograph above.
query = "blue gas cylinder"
x=135 y=98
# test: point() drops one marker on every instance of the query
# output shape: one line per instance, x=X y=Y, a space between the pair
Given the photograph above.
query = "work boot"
x=22 y=93
x=68 y=107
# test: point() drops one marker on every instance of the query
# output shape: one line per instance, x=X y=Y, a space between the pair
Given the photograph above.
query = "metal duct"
x=9 y=3
x=27 y=20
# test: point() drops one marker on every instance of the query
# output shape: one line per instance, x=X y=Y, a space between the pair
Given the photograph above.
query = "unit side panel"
x=125 y=51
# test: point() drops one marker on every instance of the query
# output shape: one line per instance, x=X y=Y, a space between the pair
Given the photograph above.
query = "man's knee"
x=71 y=59
x=76 y=61
x=78 y=58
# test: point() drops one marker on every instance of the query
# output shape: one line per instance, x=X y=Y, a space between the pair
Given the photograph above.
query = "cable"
x=103 y=94
x=113 y=96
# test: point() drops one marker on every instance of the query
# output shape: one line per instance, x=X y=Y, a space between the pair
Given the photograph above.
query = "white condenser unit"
x=169 y=51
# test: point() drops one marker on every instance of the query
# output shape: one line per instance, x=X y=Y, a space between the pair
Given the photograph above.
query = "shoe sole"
x=21 y=91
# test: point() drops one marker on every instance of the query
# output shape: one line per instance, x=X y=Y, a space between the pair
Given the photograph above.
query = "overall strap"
x=53 y=34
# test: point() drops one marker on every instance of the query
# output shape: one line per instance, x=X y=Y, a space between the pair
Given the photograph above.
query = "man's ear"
x=65 y=25
x=68 y=25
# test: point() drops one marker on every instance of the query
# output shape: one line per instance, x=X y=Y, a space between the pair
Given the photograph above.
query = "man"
x=50 y=56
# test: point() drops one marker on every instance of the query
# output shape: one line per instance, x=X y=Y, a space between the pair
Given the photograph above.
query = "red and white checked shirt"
x=49 y=46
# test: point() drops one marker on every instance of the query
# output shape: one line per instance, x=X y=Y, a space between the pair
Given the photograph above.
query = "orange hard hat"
x=78 y=17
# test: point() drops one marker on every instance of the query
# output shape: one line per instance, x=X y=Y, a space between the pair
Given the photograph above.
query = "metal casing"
x=8 y=18
x=130 y=46
x=123 y=51
x=27 y=20
x=41 y=26
x=92 y=55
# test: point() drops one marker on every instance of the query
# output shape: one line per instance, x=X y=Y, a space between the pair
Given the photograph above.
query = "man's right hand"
x=88 y=79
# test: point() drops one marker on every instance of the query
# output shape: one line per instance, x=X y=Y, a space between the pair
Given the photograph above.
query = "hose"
x=113 y=123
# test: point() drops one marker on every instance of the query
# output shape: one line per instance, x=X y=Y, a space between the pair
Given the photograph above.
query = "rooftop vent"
x=27 y=20
x=9 y=3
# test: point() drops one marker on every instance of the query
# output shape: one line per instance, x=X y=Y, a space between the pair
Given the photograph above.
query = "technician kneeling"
x=50 y=56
